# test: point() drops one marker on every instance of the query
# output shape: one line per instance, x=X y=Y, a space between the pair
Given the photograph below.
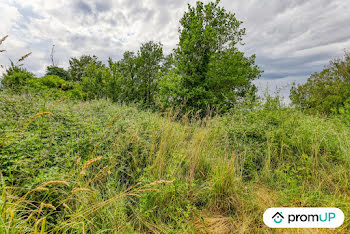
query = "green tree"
x=139 y=73
x=326 y=91
x=208 y=61
x=228 y=79
x=77 y=66
x=58 y=71
x=127 y=68
x=150 y=57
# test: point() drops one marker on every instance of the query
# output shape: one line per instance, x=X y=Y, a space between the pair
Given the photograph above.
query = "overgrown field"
x=99 y=167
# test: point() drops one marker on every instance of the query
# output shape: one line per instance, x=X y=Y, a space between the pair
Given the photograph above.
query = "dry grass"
x=21 y=59
x=3 y=39
x=215 y=224
x=1 y=50
x=24 y=57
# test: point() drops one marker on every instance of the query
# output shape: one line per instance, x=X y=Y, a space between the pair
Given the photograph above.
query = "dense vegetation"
x=327 y=91
x=206 y=70
x=169 y=144
x=220 y=173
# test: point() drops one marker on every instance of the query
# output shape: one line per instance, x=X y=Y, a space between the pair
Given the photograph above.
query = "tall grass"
x=114 y=168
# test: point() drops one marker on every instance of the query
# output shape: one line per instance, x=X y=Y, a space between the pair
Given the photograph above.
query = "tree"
x=326 y=91
x=127 y=68
x=149 y=61
x=98 y=82
x=58 y=71
x=139 y=73
x=211 y=70
x=77 y=66
x=229 y=77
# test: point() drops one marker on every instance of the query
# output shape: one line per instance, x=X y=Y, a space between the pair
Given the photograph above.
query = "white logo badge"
x=303 y=217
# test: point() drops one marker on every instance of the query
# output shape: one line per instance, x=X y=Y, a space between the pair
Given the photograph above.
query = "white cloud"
x=291 y=39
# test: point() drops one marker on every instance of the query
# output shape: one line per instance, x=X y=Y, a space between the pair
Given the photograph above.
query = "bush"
x=49 y=81
x=16 y=78
x=58 y=71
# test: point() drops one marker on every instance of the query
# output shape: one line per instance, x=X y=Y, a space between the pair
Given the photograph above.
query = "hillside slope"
x=98 y=167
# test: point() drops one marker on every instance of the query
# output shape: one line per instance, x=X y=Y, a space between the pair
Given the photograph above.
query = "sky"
x=291 y=39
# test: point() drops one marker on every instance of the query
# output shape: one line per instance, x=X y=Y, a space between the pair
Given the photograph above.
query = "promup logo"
x=303 y=217
x=278 y=217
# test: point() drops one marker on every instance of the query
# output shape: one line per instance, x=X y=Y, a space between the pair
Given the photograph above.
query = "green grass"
x=120 y=169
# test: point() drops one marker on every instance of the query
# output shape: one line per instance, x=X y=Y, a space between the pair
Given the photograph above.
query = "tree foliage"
x=326 y=91
x=48 y=82
x=58 y=71
x=211 y=71
x=229 y=78
x=127 y=69
x=132 y=79
x=150 y=57
x=77 y=66
x=100 y=82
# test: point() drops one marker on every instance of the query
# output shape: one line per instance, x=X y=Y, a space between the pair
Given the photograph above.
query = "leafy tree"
x=168 y=63
x=77 y=66
x=138 y=73
x=211 y=70
x=127 y=68
x=58 y=71
x=102 y=81
x=149 y=66
x=228 y=79
x=326 y=91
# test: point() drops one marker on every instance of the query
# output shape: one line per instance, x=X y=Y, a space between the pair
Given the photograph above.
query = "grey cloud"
x=137 y=10
x=163 y=18
x=119 y=19
x=78 y=41
x=169 y=3
x=291 y=39
x=142 y=13
x=27 y=12
x=103 y=5
x=83 y=7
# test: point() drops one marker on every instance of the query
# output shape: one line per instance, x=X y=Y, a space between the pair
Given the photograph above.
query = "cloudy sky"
x=291 y=39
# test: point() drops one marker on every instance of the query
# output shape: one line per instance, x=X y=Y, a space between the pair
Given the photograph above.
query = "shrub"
x=16 y=78
x=49 y=81
x=58 y=71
